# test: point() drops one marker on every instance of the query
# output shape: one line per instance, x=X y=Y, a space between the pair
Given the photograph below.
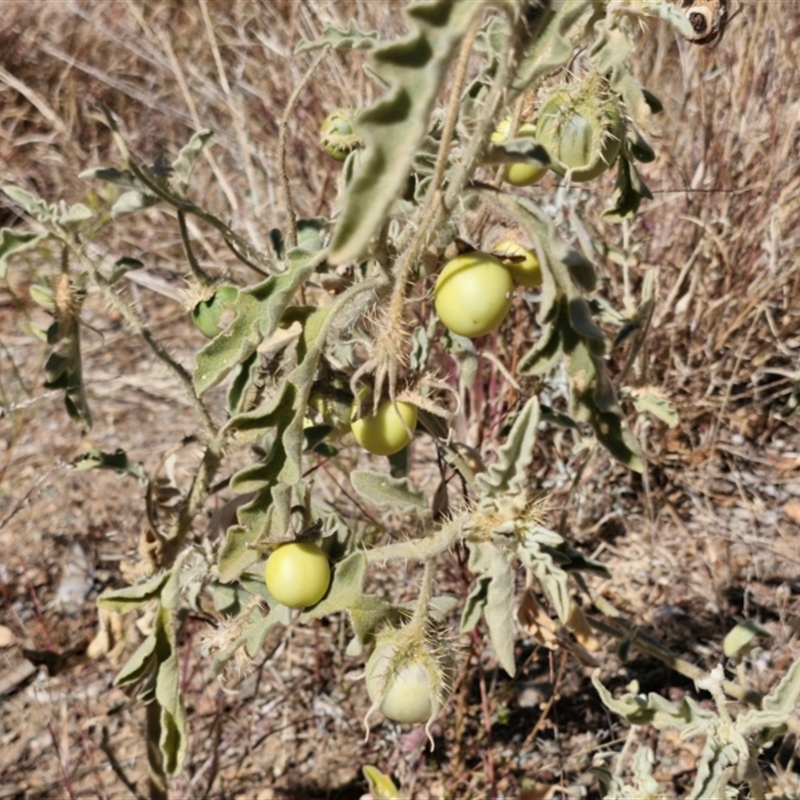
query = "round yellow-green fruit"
x=473 y=294
x=388 y=430
x=297 y=574
x=520 y=174
x=528 y=272
x=405 y=695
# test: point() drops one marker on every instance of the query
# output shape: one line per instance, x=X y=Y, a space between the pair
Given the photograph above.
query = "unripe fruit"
x=525 y=269
x=407 y=691
x=473 y=294
x=207 y=315
x=297 y=574
x=408 y=675
x=582 y=130
x=521 y=174
x=337 y=135
x=388 y=430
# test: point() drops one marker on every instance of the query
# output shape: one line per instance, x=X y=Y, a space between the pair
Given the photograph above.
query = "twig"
x=197 y=271
x=116 y=767
x=130 y=316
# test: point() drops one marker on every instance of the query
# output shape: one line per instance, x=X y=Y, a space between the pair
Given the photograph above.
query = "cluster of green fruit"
x=406 y=674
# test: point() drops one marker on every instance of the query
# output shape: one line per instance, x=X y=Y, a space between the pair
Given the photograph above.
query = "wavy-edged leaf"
x=367 y=612
x=393 y=494
x=655 y=402
x=392 y=128
x=117 y=461
x=492 y=594
x=139 y=663
x=351 y=38
x=131 y=597
x=130 y=202
x=258 y=312
x=655 y=710
x=183 y=165
x=628 y=192
x=509 y=474
x=13 y=242
x=39 y=209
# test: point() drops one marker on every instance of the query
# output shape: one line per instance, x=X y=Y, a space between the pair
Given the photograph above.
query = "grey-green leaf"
x=392 y=128
x=13 y=242
x=183 y=165
x=392 y=494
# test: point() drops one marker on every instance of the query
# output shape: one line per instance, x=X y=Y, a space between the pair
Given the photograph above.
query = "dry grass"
x=711 y=536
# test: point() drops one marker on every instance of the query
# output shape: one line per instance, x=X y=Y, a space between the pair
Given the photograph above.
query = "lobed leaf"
x=414 y=70
x=352 y=38
x=509 y=474
x=493 y=595
x=13 y=242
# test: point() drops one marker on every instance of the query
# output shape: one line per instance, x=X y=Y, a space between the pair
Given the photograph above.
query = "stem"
x=130 y=316
x=197 y=271
x=433 y=210
x=425 y=593
x=420 y=549
x=647 y=645
x=156 y=774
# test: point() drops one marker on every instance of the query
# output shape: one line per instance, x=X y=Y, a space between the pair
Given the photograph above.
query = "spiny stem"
x=420 y=549
x=425 y=593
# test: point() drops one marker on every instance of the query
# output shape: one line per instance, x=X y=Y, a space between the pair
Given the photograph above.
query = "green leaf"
x=117 y=461
x=64 y=370
x=520 y=150
x=655 y=710
x=494 y=595
x=653 y=401
x=39 y=209
x=122 y=266
x=352 y=38
x=139 y=663
x=237 y=552
x=367 y=612
x=541 y=552
x=509 y=474
x=392 y=494
x=258 y=312
x=551 y=47
x=131 y=597
x=414 y=69
x=124 y=178
x=130 y=202
x=13 y=242
x=628 y=192
x=381 y=786
x=75 y=216
x=183 y=165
